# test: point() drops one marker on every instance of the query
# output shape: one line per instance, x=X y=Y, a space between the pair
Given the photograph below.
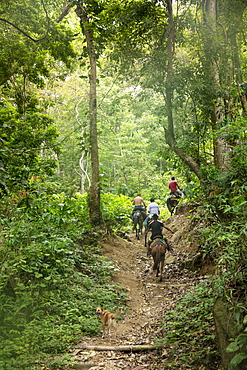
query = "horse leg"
x=135 y=221
x=137 y=229
x=156 y=257
x=145 y=240
x=172 y=208
x=161 y=268
x=138 y=233
x=169 y=206
x=158 y=270
x=159 y=259
x=141 y=222
x=162 y=262
x=174 y=205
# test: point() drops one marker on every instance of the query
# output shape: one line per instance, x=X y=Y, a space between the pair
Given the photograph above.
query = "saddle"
x=174 y=196
x=150 y=244
x=162 y=240
x=141 y=212
x=157 y=237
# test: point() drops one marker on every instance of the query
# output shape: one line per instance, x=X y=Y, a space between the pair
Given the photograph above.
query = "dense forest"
x=101 y=100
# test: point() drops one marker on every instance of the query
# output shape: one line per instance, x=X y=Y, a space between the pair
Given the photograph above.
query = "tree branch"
x=20 y=30
x=26 y=34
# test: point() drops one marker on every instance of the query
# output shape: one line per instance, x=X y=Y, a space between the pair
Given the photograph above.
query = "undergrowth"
x=189 y=330
x=51 y=280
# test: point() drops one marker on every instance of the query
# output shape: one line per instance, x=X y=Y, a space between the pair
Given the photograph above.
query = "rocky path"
x=147 y=300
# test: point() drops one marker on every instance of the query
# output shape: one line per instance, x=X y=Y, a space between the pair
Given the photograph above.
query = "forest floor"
x=148 y=299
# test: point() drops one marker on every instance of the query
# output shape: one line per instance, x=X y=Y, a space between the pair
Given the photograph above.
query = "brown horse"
x=158 y=249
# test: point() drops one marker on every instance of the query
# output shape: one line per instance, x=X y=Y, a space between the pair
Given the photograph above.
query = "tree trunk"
x=230 y=15
x=209 y=36
x=94 y=190
x=169 y=132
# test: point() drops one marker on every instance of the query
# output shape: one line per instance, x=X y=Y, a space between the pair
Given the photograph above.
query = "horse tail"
x=157 y=259
x=168 y=203
x=135 y=219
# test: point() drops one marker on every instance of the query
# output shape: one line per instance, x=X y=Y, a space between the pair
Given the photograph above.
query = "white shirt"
x=153 y=209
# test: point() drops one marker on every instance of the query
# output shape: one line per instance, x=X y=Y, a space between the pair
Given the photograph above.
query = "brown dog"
x=108 y=321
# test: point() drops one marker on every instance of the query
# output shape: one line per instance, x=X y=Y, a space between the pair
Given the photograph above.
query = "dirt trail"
x=147 y=300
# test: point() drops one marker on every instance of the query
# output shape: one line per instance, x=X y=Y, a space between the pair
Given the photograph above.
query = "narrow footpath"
x=147 y=300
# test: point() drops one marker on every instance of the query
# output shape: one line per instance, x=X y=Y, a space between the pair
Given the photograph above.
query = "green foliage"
x=117 y=208
x=236 y=346
x=21 y=53
x=188 y=327
x=22 y=139
x=223 y=236
x=51 y=279
x=47 y=265
x=30 y=44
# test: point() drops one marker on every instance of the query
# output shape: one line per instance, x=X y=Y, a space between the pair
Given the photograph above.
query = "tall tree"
x=221 y=24
x=27 y=54
x=94 y=190
x=169 y=131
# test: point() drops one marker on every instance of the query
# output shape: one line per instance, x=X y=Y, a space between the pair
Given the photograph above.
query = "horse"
x=138 y=222
x=172 y=201
x=158 y=249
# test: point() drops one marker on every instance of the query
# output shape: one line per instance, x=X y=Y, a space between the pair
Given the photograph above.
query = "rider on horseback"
x=155 y=227
x=137 y=202
x=153 y=208
x=174 y=188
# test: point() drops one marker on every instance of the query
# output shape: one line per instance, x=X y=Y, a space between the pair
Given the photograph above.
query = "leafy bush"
x=223 y=239
x=51 y=280
x=116 y=208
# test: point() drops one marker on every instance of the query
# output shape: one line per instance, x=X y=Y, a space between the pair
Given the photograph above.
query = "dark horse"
x=172 y=201
x=158 y=249
x=138 y=219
